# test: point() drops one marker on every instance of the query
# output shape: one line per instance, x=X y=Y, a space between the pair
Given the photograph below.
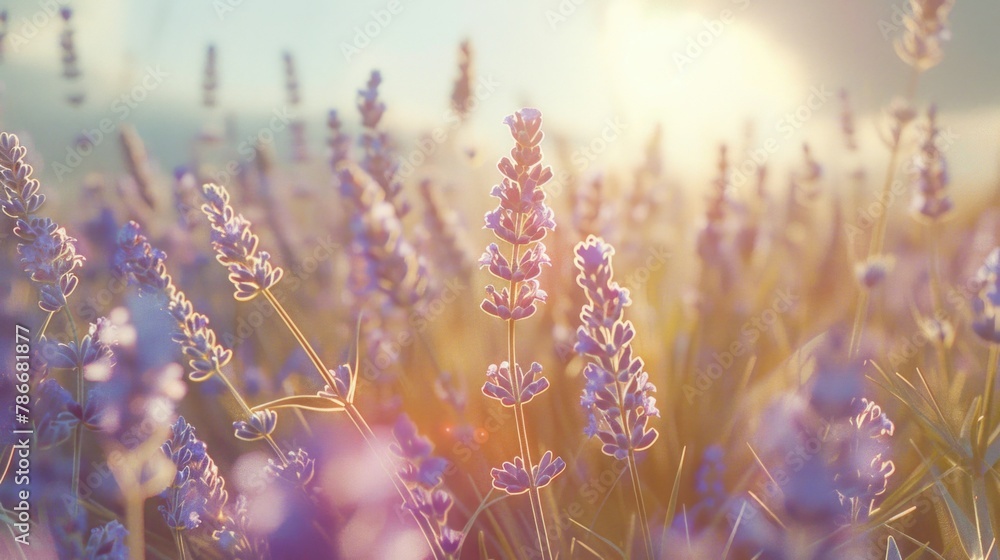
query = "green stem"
x=80 y=398
x=640 y=503
x=878 y=236
x=359 y=422
x=937 y=297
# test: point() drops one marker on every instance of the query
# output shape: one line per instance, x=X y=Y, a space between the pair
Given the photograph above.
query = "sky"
x=703 y=69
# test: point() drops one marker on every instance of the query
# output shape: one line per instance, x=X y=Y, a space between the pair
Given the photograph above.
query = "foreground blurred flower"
x=423 y=473
x=925 y=31
x=986 y=305
x=522 y=219
x=618 y=395
x=862 y=471
x=107 y=542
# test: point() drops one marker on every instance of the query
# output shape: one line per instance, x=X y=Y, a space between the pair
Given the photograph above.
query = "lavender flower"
x=338 y=141
x=197 y=495
x=47 y=252
x=925 y=31
x=143 y=265
x=298 y=470
x=107 y=542
x=236 y=538
x=461 y=92
x=986 y=305
x=522 y=219
x=617 y=396
x=422 y=472
x=391 y=264
x=862 y=469
x=930 y=175
x=513 y=478
x=57 y=412
x=260 y=425
x=379 y=160
x=250 y=269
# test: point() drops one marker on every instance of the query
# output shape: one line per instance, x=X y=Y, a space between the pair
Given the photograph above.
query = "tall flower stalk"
x=47 y=254
x=920 y=46
x=521 y=220
x=617 y=396
x=252 y=275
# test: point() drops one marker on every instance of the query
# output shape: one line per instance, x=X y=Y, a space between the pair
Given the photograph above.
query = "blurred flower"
x=298 y=469
x=873 y=271
x=930 y=174
x=986 y=305
x=925 y=31
x=422 y=472
x=107 y=542
x=461 y=91
x=236 y=538
x=862 y=468
x=197 y=495
x=57 y=414
x=618 y=394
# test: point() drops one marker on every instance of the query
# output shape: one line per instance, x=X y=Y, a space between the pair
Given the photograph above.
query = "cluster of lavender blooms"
x=423 y=472
x=618 y=394
x=196 y=503
x=47 y=253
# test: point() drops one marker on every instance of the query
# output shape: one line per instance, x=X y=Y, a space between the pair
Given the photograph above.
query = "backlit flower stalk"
x=143 y=265
x=618 y=395
x=252 y=274
x=521 y=220
x=47 y=254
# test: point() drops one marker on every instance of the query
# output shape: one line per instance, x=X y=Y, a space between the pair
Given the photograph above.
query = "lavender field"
x=709 y=279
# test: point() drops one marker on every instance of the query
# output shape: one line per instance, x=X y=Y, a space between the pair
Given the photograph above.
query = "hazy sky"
x=581 y=61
